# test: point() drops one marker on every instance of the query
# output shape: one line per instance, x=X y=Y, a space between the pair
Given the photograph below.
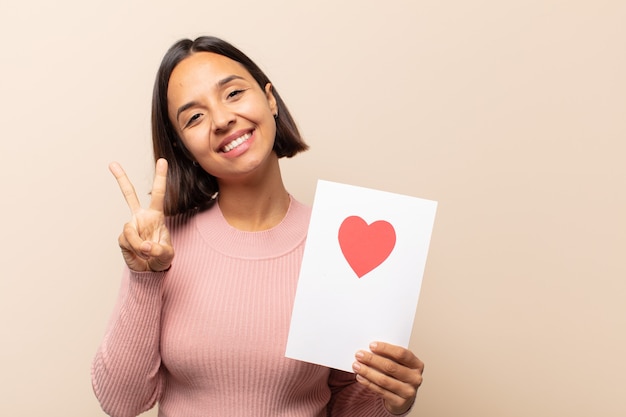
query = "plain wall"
x=511 y=114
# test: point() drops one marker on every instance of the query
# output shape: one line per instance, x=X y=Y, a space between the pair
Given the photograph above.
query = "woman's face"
x=223 y=117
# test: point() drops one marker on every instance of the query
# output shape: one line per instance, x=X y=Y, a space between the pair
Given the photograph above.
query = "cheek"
x=196 y=140
x=273 y=129
x=257 y=109
x=265 y=117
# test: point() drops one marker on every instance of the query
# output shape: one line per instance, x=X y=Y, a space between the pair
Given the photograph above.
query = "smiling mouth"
x=232 y=145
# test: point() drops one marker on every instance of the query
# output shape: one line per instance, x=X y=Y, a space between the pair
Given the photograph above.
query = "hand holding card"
x=392 y=372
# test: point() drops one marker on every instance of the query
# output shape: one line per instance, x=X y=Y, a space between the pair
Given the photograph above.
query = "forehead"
x=204 y=69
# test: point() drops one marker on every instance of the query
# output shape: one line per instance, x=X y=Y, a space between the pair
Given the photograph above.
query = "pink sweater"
x=207 y=338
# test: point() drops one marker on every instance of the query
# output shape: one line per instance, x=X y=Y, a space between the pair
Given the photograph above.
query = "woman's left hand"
x=391 y=371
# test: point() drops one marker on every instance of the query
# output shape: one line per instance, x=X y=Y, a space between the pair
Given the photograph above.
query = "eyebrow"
x=184 y=107
x=224 y=81
x=220 y=83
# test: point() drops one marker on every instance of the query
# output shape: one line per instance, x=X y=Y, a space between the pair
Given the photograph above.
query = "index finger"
x=126 y=186
x=158 y=185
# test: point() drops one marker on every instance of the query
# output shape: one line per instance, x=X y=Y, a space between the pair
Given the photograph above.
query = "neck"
x=255 y=204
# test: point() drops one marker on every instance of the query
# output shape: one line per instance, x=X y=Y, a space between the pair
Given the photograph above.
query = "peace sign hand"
x=145 y=240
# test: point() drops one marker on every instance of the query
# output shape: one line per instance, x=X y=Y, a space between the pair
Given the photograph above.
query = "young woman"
x=203 y=333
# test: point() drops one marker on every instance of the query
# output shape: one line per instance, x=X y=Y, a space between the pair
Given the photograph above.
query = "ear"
x=271 y=100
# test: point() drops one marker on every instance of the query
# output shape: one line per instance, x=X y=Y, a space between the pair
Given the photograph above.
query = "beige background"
x=511 y=114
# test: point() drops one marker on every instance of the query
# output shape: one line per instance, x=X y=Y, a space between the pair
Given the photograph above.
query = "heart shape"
x=365 y=246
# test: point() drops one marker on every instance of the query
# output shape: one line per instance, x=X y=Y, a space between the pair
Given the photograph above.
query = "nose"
x=223 y=118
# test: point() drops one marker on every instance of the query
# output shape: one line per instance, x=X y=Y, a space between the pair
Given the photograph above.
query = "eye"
x=235 y=93
x=193 y=119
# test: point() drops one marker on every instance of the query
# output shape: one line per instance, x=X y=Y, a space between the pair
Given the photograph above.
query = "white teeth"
x=232 y=145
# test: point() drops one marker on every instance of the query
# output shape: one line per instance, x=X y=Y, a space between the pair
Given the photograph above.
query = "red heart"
x=365 y=246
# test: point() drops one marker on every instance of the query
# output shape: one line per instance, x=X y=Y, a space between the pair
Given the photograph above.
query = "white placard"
x=361 y=273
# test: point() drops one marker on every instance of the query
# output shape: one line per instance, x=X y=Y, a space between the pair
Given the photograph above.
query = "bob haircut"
x=188 y=185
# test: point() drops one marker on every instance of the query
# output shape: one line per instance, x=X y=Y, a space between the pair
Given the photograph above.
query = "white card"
x=361 y=273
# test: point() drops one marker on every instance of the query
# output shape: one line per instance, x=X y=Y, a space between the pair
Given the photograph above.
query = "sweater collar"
x=286 y=236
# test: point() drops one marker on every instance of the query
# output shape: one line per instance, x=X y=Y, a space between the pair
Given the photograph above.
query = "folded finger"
x=401 y=384
x=388 y=395
x=131 y=241
x=393 y=368
x=160 y=257
x=397 y=354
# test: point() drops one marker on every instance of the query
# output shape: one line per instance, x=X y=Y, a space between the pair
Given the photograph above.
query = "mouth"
x=235 y=143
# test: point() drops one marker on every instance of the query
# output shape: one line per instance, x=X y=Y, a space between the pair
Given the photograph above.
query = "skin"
x=145 y=240
x=211 y=100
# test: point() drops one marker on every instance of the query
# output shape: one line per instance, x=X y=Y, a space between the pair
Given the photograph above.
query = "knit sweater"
x=207 y=338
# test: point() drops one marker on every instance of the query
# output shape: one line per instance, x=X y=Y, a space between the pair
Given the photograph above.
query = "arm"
x=125 y=371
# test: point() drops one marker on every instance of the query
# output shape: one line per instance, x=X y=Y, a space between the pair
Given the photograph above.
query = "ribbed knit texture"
x=207 y=338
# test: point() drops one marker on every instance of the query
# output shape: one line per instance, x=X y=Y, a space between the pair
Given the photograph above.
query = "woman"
x=204 y=333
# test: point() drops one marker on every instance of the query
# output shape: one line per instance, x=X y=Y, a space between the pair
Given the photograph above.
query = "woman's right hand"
x=145 y=241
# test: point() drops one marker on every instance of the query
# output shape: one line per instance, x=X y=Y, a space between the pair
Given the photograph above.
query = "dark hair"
x=188 y=185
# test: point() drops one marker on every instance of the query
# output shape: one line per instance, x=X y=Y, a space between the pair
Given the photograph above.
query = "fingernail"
x=356 y=367
x=373 y=345
x=359 y=354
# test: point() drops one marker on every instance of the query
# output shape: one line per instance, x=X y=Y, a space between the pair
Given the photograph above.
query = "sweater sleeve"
x=125 y=371
x=351 y=399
